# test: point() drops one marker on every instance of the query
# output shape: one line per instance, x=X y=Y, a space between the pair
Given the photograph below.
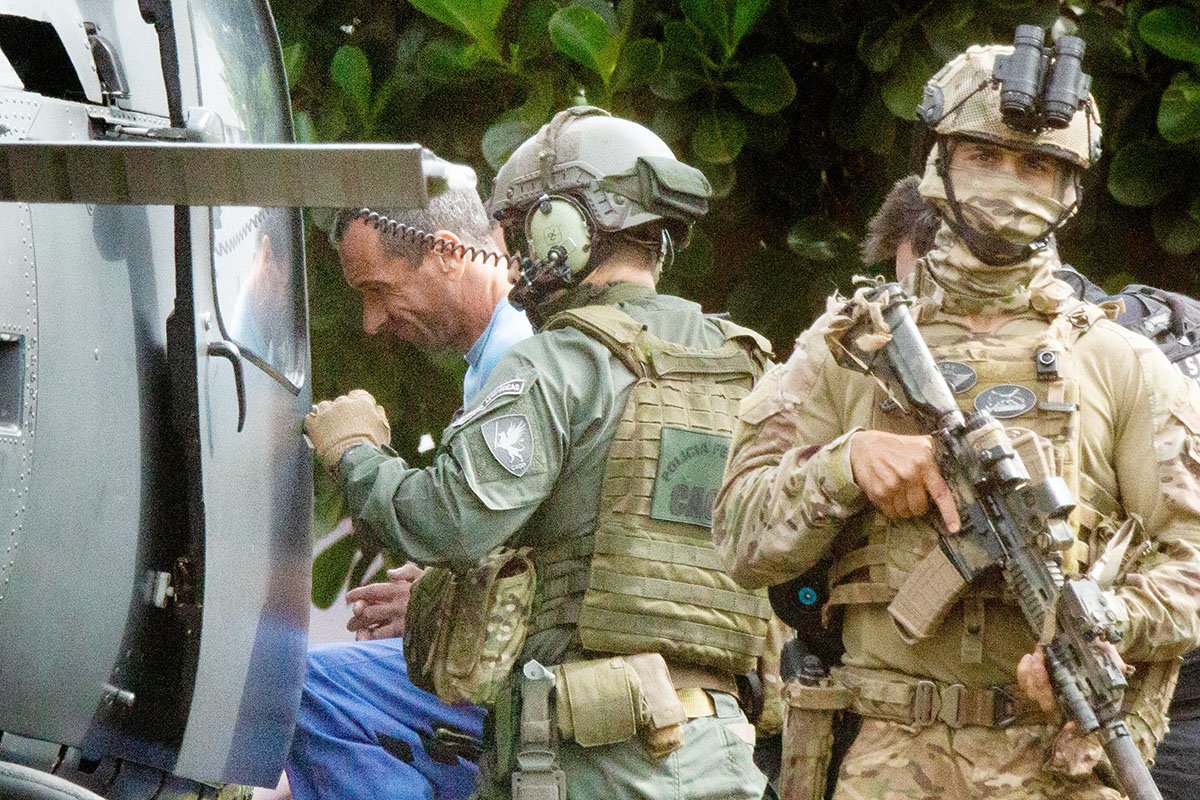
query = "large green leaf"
x=719 y=137
x=472 y=17
x=605 y=10
x=745 y=14
x=306 y=131
x=330 y=568
x=294 y=57
x=351 y=71
x=1175 y=230
x=501 y=139
x=683 y=46
x=674 y=85
x=881 y=41
x=445 y=60
x=1174 y=31
x=580 y=34
x=721 y=177
x=1142 y=174
x=904 y=87
x=712 y=18
x=763 y=84
x=532 y=26
x=639 y=60
x=1179 y=111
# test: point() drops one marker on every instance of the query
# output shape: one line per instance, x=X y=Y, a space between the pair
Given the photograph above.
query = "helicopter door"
x=252 y=390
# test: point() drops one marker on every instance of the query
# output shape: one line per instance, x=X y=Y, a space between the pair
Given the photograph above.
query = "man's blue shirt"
x=506 y=327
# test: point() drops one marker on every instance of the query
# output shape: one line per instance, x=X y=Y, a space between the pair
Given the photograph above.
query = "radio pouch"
x=464 y=631
x=808 y=737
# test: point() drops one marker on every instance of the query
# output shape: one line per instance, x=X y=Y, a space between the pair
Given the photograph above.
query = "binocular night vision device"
x=1041 y=87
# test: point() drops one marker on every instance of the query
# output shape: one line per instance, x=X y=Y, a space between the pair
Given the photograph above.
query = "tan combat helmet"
x=964 y=99
x=585 y=174
x=1024 y=96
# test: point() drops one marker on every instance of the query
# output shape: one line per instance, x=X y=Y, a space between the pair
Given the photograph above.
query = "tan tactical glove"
x=334 y=426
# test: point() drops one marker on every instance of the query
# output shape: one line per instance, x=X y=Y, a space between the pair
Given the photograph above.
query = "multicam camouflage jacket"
x=1121 y=419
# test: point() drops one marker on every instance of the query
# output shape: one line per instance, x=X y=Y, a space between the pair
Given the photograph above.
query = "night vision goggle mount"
x=1041 y=87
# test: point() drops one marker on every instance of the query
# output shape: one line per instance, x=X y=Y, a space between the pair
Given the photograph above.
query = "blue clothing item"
x=506 y=327
x=364 y=731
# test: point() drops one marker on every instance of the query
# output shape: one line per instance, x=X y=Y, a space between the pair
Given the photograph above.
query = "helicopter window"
x=39 y=58
x=257 y=289
x=257 y=252
x=12 y=382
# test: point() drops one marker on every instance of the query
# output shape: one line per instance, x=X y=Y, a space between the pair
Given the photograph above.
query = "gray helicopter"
x=155 y=517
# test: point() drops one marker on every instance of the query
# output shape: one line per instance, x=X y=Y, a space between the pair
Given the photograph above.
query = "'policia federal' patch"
x=960 y=376
x=1005 y=401
x=510 y=442
x=690 y=465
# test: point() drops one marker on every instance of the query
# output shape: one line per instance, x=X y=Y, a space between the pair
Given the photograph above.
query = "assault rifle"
x=1008 y=520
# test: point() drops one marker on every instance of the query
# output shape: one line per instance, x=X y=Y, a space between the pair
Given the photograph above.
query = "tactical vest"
x=650 y=579
x=1028 y=383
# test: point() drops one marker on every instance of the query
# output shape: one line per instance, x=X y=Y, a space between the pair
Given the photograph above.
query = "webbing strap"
x=559 y=611
x=704 y=557
x=869 y=556
x=850 y=594
x=641 y=351
x=566 y=549
x=643 y=625
x=657 y=589
x=574 y=582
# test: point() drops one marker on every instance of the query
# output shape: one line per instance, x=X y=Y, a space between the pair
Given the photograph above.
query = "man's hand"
x=378 y=608
x=334 y=426
x=1034 y=679
x=899 y=475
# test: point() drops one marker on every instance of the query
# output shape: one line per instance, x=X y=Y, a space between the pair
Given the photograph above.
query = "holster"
x=538 y=776
x=808 y=737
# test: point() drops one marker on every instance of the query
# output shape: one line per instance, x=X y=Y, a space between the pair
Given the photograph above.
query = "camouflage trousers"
x=889 y=761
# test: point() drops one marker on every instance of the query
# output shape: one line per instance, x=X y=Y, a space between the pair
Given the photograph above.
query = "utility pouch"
x=808 y=737
x=463 y=632
x=933 y=587
x=608 y=700
x=1146 y=704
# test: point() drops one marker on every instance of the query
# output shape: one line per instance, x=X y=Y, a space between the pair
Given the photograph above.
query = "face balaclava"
x=1008 y=223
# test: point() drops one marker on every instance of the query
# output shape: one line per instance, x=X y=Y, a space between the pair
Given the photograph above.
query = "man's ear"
x=452 y=258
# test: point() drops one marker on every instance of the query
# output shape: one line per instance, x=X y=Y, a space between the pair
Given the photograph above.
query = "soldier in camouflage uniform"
x=596 y=447
x=823 y=468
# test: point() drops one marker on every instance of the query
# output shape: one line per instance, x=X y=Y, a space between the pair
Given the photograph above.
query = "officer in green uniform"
x=596 y=448
x=950 y=687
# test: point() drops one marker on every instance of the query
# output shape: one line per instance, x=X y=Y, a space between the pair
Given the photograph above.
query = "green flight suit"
x=523 y=466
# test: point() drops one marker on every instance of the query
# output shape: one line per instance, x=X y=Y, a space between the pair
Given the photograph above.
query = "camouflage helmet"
x=622 y=173
x=962 y=99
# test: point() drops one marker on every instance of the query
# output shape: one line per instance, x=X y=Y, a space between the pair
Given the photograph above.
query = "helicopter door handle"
x=229 y=350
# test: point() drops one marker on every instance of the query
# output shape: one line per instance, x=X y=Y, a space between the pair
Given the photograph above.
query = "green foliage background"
x=799 y=111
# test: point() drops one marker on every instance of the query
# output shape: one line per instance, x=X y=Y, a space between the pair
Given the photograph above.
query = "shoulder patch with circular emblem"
x=510 y=442
x=960 y=376
x=1005 y=401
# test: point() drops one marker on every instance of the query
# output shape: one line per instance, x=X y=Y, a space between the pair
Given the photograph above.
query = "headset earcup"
x=557 y=221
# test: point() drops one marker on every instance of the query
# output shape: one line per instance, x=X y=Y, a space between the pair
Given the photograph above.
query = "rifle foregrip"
x=1131 y=770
